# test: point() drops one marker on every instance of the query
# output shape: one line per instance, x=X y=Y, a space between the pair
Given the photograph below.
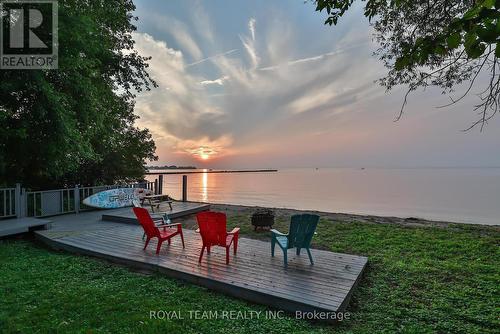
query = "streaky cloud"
x=219 y=81
x=312 y=58
x=212 y=57
x=249 y=44
x=251 y=26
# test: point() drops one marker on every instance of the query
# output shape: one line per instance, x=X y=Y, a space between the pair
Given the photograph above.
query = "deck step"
x=21 y=225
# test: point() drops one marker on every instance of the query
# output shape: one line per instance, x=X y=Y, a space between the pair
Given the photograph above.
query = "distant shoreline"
x=216 y=171
x=170 y=167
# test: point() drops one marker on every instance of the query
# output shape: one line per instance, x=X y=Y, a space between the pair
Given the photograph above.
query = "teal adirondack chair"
x=299 y=236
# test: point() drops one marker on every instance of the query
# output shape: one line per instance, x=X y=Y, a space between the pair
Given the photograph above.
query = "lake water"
x=469 y=195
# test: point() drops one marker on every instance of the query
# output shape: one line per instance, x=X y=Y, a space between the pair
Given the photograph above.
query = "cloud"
x=179 y=109
x=212 y=57
x=187 y=43
x=202 y=22
x=314 y=58
x=179 y=31
x=205 y=147
x=251 y=27
x=249 y=44
x=259 y=100
x=219 y=81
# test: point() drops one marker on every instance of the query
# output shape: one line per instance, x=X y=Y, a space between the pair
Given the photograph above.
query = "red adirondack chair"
x=162 y=232
x=212 y=227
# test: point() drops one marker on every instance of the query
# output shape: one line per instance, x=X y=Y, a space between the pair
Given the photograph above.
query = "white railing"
x=17 y=202
x=7 y=202
x=50 y=202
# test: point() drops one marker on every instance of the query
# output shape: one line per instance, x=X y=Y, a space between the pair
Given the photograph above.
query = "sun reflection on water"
x=204 y=186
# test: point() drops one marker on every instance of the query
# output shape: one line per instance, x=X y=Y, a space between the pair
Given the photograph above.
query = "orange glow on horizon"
x=205 y=149
x=204 y=153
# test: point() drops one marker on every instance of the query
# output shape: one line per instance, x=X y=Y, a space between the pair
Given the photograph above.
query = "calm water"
x=462 y=195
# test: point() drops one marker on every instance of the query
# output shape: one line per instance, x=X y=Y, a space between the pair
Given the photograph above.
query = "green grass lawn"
x=419 y=279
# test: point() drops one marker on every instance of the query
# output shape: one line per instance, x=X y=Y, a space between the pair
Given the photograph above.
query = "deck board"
x=252 y=274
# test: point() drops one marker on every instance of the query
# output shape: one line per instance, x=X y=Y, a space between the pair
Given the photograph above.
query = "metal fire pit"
x=263 y=218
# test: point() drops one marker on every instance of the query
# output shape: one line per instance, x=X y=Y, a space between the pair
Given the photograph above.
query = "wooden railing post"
x=77 y=199
x=17 y=200
x=23 y=206
x=160 y=184
x=184 y=188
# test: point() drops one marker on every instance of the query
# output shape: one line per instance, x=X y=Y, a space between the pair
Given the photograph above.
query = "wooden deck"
x=21 y=225
x=253 y=274
x=179 y=209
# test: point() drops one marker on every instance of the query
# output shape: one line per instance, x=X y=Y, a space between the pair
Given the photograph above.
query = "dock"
x=252 y=274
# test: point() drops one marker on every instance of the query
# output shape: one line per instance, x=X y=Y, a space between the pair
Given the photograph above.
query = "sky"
x=265 y=84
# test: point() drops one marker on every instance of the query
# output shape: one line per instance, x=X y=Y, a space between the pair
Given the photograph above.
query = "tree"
x=441 y=43
x=75 y=125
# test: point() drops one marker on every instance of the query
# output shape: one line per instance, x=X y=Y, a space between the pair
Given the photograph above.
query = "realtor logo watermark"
x=28 y=33
x=244 y=315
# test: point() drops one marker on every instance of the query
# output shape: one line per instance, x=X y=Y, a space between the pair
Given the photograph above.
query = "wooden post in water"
x=184 y=188
x=160 y=184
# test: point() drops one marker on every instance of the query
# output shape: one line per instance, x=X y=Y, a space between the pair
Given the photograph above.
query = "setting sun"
x=203 y=152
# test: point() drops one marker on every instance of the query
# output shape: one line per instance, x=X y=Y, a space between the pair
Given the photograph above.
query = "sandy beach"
x=240 y=214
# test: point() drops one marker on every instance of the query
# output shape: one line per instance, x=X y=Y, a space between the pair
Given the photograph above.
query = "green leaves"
x=401 y=63
x=472 y=45
x=433 y=43
x=334 y=8
x=472 y=13
x=454 y=40
x=481 y=25
x=71 y=124
x=474 y=30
